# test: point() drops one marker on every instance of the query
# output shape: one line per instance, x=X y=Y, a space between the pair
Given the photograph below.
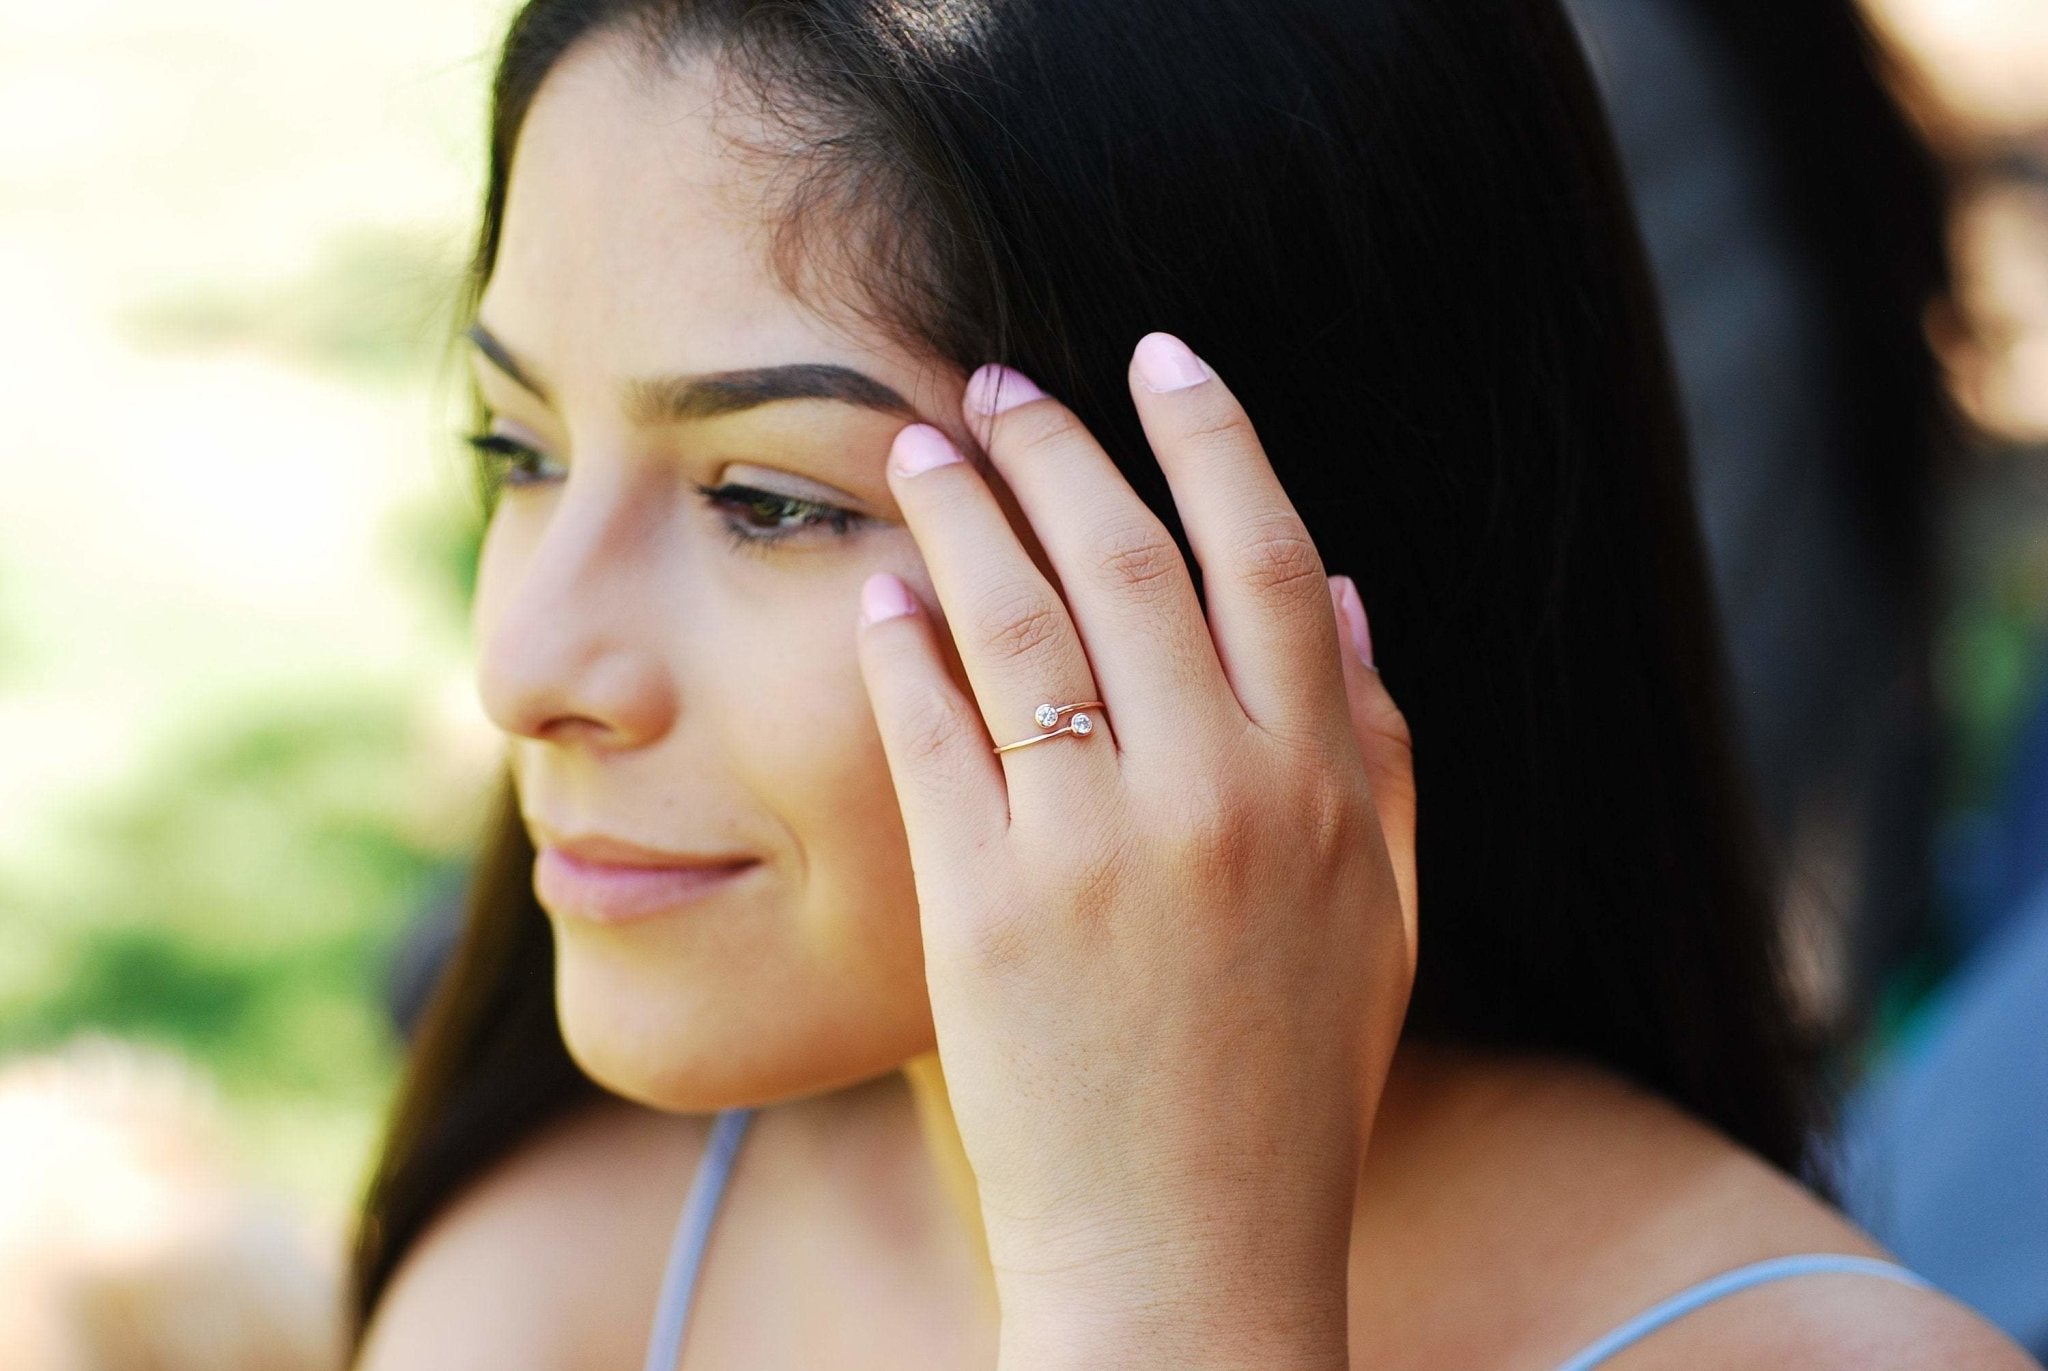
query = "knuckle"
x=1212 y=834
x=1029 y=430
x=1385 y=718
x=1276 y=555
x=1094 y=879
x=1021 y=626
x=1000 y=941
x=1392 y=725
x=1139 y=558
x=1224 y=425
x=933 y=732
x=1328 y=814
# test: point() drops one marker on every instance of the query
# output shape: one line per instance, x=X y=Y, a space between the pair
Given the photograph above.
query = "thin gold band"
x=1048 y=714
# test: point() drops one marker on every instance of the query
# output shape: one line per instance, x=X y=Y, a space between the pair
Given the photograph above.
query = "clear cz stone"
x=1047 y=716
x=1083 y=724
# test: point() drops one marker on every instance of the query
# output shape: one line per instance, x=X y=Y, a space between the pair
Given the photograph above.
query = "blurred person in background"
x=1400 y=235
x=1784 y=160
x=128 y=1242
x=1795 y=218
x=1945 y=1146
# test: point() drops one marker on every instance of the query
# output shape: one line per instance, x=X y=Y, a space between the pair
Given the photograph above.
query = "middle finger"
x=1126 y=583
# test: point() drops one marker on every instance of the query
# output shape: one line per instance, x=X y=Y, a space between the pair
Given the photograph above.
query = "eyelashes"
x=775 y=517
x=787 y=515
x=505 y=462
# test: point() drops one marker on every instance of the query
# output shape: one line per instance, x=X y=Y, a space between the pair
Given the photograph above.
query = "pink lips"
x=604 y=893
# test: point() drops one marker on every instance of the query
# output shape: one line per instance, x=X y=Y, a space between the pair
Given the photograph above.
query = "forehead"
x=635 y=238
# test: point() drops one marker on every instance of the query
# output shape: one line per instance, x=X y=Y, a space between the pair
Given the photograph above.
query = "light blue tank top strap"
x=707 y=1187
x=1714 y=1287
x=693 y=1231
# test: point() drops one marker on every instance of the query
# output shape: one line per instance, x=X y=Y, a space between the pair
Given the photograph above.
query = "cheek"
x=798 y=726
x=800 y=737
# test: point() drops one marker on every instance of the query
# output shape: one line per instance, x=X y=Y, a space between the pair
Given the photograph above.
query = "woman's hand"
x=1168 y=959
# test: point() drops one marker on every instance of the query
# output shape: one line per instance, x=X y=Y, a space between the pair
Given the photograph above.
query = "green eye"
x=758 y=517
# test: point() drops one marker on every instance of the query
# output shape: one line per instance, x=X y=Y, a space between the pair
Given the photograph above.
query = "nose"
x=569 y=623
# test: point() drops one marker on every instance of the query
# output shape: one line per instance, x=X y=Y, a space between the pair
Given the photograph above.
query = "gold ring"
x=1049 y=714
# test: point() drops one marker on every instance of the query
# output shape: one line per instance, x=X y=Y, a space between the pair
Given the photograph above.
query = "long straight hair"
x=1399 y=229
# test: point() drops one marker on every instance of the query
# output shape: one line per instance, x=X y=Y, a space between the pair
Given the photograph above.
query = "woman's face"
x=677 y=672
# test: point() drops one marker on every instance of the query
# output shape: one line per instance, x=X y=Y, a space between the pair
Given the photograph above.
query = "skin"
x=658 y=683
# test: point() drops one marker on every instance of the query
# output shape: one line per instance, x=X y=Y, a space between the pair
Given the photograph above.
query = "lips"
x=579 y=886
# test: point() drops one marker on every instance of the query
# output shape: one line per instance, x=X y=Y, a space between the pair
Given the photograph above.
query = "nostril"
x=573 y=729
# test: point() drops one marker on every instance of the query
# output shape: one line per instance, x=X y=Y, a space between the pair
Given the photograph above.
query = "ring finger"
x=1013 y=632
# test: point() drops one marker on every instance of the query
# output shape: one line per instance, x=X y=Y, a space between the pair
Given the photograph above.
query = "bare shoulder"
x=1830 y=1321
x=549 y=1257
x=1653 y=1200
x=1584 y=1199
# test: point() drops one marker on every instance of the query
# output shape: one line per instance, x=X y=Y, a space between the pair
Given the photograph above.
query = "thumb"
x=1384 y=739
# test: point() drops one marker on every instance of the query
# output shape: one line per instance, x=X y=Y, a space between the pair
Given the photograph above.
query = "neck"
x=1416 y=1092
x=949 y=1156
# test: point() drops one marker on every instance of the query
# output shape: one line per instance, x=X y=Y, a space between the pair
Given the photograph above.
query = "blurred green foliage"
x=241 y=899
x=228 y=865
x=1991 y=665
x=428 y=549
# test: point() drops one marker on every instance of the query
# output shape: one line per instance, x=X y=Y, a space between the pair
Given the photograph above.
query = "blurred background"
x=240 y=756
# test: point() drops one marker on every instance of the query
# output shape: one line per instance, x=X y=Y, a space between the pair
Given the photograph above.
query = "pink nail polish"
x=1354 y=614
x=1164 y=362
x=995 y=388
x=920 y=447
x=882 y=596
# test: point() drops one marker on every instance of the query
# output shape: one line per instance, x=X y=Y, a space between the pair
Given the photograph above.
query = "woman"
x=1393 y=236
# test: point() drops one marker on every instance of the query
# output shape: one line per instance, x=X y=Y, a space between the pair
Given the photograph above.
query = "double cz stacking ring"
x=1048 y=715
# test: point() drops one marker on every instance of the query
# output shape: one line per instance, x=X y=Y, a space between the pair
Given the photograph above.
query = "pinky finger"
x=949 y=784
x=1383 y=738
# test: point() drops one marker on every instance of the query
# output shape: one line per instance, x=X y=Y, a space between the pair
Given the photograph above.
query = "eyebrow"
x=667 y=399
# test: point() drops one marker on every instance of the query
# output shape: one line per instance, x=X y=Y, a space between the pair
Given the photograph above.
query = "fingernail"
x=1354 y=614
x=920 y=447
x=994 y=388
x=1164 y=363
x=882 y=596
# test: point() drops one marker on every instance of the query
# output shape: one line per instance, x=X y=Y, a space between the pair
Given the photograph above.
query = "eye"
x=756 y=517
x=506 y=461
x=753 y=517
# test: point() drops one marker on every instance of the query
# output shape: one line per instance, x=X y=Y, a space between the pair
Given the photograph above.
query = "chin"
x=698 y=1045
